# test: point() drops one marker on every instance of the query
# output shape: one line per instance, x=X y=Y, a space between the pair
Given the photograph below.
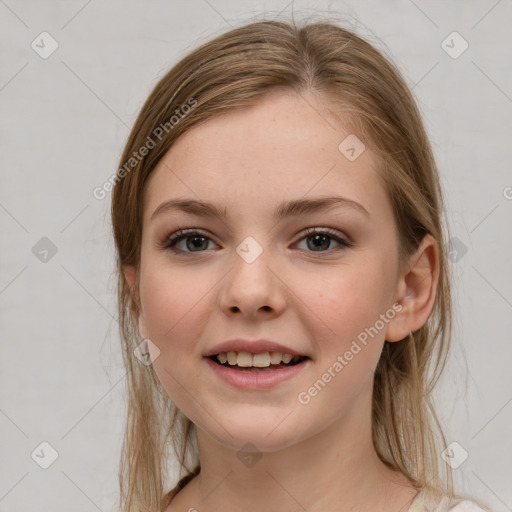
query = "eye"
x=321 y=238
x=196 y=241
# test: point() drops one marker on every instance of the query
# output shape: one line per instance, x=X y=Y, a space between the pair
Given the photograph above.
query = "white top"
x=430 y=503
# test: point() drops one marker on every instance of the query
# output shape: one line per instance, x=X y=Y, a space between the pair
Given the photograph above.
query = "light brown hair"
x=353 y=77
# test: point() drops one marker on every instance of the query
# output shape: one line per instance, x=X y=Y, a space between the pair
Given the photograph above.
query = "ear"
x=416 y=291
x=130 y=275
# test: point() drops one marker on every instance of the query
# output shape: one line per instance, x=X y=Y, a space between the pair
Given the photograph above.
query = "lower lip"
x=256 y=380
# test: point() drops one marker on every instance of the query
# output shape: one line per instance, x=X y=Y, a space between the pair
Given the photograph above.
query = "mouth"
x=255 y=363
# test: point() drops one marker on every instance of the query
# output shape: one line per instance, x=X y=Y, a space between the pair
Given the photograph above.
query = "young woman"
x=284 y=296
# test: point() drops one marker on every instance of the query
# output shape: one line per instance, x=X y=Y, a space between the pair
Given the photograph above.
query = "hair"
x=353 y=77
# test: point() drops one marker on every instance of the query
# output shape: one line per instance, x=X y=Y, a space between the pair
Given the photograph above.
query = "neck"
x=337 y=465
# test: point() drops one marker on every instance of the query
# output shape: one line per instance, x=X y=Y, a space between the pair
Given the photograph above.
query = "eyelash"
x=173 y=239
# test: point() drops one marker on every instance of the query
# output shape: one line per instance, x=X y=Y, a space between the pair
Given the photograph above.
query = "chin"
x=268 y=435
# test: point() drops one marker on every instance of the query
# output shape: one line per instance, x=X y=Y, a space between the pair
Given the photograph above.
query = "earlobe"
x=416 y=291
x=131 y=276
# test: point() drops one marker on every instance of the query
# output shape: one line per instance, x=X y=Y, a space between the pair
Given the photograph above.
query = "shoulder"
x=427 y=501
x=465 y=505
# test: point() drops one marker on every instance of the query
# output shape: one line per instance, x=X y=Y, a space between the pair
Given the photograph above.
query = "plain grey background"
x=64 y=120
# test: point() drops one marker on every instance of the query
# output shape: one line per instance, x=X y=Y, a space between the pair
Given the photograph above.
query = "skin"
x=316 y=300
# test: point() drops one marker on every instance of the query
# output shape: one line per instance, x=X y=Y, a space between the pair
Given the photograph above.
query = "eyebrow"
x=285 y=209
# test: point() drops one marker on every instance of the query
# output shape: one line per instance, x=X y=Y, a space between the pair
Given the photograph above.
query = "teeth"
x=275 y=357
x=246 y=360
x=261 y=360
x=287 y=358
x=232 y=357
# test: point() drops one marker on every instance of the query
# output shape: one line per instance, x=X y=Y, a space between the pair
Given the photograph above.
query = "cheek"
x=346 y=308
x=174 y=304
x=348 y=299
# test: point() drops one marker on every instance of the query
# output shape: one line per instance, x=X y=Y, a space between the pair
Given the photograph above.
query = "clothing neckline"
x=414 y=505
x=429 y=500
x=417 y=504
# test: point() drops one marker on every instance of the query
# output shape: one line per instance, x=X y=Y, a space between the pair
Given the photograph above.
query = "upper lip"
x=251 y=346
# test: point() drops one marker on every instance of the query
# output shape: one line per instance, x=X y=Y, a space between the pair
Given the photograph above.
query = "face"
x=319 y=281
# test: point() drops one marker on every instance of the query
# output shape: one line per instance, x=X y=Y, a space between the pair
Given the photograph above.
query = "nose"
x=252 y=288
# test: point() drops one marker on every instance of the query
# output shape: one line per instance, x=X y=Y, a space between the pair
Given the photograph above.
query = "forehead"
x=286 y=146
